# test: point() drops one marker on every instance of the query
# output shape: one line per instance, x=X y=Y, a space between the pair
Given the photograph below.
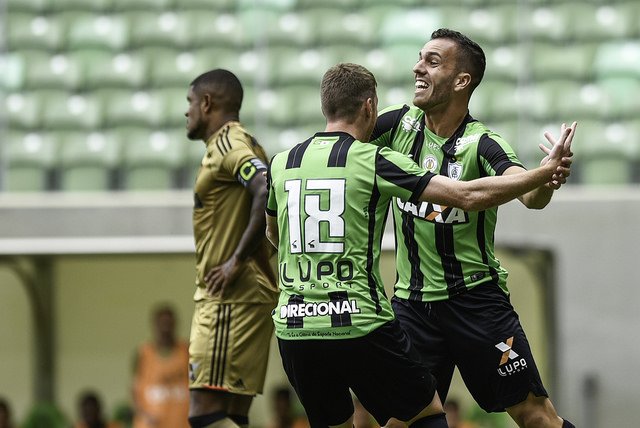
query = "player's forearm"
x=489 y=192
x=537 y=198
x=272 y=230
x=254 y=233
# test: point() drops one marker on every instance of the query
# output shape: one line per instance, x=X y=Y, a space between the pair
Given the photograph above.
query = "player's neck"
x=219 y=122
x=353 y=129
x=444 y=121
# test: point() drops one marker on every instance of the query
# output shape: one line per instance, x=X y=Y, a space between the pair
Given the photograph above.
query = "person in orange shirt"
x=161 y=376
x=90 y=409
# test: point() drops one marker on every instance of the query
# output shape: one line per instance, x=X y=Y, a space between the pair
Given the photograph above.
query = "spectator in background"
x=454 y=415
x=5 y=414
x=284 y=414
x=45 y=415
x=90 y=412
x=160 y=386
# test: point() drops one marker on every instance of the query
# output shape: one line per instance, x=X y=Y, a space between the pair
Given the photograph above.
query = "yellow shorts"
x=229 y=346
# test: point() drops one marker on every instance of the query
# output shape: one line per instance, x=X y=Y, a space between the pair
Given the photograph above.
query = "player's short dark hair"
x=222 y=84
x=344 y=88
x=470 y=58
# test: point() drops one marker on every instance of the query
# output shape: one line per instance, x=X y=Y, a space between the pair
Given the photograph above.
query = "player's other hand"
x=563 y=150
x=220 y=277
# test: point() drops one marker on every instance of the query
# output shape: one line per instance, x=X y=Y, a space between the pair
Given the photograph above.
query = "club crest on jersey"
x=433 y=213
x=410 y=124
x=430 y=163
x=455 y=171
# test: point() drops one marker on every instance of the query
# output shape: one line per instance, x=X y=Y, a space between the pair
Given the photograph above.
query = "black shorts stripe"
x=217 y=338
x=295 y=155
x=225 y=347
x=338 y=155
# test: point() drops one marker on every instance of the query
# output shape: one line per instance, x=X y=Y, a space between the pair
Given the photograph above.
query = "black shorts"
x=480 y=333
x=381 y=368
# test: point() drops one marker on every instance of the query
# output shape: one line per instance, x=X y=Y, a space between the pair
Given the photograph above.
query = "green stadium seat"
x=168 y=29
x=495 y=24
x=27 y=31
x=217 y=6
x=64 y=110
x=23 y=110
x=505 y=62
x=277 y=5
x=151 y=159
x=334 y=26
x=295 y=66
x=575 y=100
x=86 y=161
x=400 y=60
x=88 y=30
x=337 y=4
x=546 y=23
x=597 y=22
x=29 y=158
x=306 y=104
x=410 y=26
x=391 y=95
x=28 y=6
x=622 y=93
x=618 y=59
x=542 y=100
x=12 y=71
x=171 y=67
x=208 y=29
x=133 y=108
x=550 y=61
x=195 y=151
x=608 y=152
x=82 y=5
x=503 y=100
x=277 y=107
x=46 y=71
x=146 y=5
x=105 y=69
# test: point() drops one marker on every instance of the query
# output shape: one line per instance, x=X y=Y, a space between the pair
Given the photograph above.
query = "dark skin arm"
x=220 y=277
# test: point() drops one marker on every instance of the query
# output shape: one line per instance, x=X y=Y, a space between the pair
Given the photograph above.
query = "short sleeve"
x=241 y=162
x=400 y=176
x=272 y=205
x=386 y=124
x=496 y=155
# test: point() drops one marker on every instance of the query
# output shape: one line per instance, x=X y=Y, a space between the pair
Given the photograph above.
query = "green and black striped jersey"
x=442 y=251
x=331 y=196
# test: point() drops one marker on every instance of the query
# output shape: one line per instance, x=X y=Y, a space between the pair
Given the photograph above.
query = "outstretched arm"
x=487 y=192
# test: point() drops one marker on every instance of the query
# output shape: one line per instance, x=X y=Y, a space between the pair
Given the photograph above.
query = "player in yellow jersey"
x=235 y=285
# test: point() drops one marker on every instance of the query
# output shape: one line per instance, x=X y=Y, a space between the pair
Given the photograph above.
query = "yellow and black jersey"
x=221 y=212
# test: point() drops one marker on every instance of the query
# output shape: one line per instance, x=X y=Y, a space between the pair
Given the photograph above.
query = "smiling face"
x=435 y=74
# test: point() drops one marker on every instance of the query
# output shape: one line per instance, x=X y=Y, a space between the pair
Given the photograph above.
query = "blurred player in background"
x=235 y=285
x=160 y=386
x=90 y=413
x=327 y=206
x=451 y=295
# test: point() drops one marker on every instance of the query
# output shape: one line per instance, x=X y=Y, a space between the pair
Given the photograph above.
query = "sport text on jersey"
x=433 y=213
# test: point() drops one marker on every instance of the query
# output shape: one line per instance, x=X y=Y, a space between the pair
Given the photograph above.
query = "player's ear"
x=370 y=108
x=207 y=103
x=462 y=81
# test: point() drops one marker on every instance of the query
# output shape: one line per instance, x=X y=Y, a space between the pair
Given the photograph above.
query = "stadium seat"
x=547 y=23
x=576 y=101
x=547 y=100
x=551 y=61
x=105 y=69
x=29 y=157
x=618 y=59
x=87 y=160
x=175 y=67
x=334 y=26
x=12 y=71
x=622 y=93
x=410 y=26
x=496 y=24
x=505 y=62
x=82 y=5
x=23 y=110
x=391 y=95
x=277 y=5
x=151 y=159
x=608 y=152
x=597 y=22
x=27 y=31
x=64 y=110
x=144 y=5
x=132 y=108
x=46 y=71
x=88 y=30
x=277 y=107
x=337 y=4
x=293 y=28
x=215 y=29
x=168 y=29
x=503 y=100
x=294 y=66
x=28 y=6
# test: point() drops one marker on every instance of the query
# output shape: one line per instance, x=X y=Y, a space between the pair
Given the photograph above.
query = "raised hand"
x=566 y=138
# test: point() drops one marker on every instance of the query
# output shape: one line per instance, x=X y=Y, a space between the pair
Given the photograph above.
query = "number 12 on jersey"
x=305 y=208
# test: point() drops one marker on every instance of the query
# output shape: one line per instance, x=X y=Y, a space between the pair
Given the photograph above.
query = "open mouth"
x=421 y=86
